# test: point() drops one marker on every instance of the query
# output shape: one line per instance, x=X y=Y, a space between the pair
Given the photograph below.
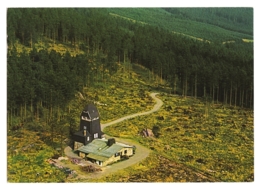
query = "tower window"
x=96 y=135
x=86 y=116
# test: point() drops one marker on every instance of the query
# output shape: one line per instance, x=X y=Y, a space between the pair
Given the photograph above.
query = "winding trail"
x=141 y=151
x=156 y=107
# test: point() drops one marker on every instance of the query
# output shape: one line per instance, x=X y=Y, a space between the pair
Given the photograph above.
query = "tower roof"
x=91 y=109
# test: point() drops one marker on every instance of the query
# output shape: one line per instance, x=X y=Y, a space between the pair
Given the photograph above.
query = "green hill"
x=212 y=24
x=59 y=60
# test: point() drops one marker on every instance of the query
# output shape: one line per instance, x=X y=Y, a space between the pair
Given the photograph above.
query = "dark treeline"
x=216 y=71
x=41 y=83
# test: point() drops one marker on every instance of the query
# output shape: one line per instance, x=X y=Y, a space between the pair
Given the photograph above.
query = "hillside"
x=234 y=19
x=214 y=141
x=184 y=128
x=59 y=60
x=209 y=24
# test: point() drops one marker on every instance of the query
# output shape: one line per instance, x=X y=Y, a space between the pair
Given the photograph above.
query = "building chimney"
x=111 y=141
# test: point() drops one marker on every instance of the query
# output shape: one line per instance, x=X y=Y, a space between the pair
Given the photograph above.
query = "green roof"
x=95 y=145
x=97 y=157
x=99 y=150
x=113 y=149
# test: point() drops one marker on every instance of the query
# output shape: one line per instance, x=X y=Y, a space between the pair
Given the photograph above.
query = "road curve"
x=156 y=107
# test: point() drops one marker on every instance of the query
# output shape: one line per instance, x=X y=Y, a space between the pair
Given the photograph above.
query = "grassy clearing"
x=228 y=42
x=26 y=159
x=203 y=40
x=190 y=36
x=50 y=45
x=121 y=95
x=126 y=18
x=156 y=168
x=219 y=143
x=248 y=40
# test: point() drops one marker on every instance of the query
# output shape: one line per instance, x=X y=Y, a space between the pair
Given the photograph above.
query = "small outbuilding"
x=147 y=133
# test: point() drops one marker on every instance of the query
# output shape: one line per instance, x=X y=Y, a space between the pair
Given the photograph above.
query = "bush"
x=156 y=131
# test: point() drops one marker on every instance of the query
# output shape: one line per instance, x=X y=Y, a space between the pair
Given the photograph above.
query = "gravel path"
x=141 y=151
x=156 y=107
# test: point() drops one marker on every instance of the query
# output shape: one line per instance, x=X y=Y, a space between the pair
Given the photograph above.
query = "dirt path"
x=141 y=151
x=156 y=107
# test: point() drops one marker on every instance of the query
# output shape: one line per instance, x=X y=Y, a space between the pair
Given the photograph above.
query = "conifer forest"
x=199 y=60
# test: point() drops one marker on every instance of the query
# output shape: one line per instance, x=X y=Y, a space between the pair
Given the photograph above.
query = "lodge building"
x=104 y=152
x=90 y=144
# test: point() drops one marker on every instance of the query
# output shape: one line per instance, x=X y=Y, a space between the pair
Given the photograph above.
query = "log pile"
x=90 y=168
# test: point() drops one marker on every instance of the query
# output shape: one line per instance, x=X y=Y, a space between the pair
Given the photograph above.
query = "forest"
x=43 y=80
x=209 y=24
x=220 y=72
x=234 y=19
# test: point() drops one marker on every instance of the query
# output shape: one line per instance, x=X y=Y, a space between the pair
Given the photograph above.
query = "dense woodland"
x=211 y=24
x=216 y=71
x=235 y=19
x=41 y=83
